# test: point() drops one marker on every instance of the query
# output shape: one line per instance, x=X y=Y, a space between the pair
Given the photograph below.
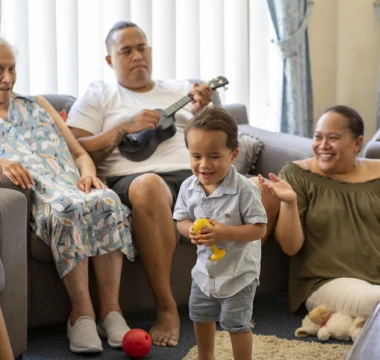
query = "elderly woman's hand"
x=17 y=173
x=278 y=188
x=87 y=182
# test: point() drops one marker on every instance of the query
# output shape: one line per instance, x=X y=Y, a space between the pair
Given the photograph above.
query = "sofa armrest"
x=237 y=111
x=13 y=253
x=2 y=276
x=372 y=149
x=5 y=183
x=278 y=149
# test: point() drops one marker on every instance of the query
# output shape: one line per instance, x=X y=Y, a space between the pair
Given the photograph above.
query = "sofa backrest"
x=372 y=148
x=60 y=101
x=65 y=102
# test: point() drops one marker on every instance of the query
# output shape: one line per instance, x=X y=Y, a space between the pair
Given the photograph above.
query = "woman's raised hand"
x=278 y=188
x=85 y=183
x=17 y=173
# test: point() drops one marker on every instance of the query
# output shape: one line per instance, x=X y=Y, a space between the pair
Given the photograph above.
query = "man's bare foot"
x=165 y=332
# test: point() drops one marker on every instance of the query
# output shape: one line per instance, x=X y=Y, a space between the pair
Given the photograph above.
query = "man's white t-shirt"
x=103 y=105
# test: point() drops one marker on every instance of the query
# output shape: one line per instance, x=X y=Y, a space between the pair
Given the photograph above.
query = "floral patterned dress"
x=72 y=223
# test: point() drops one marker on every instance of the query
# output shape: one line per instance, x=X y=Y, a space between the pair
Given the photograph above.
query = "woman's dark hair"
x=120 y=25
x=355 y=121
x=215 y=118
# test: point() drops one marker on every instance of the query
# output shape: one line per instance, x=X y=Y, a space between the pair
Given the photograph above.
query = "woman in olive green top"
x=329 y=219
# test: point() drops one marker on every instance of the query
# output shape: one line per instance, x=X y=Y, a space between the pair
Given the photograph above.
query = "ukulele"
x=139 y=146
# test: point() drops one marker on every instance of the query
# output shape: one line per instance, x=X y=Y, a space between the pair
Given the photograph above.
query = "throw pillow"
x=63 y=114
x=250 y=148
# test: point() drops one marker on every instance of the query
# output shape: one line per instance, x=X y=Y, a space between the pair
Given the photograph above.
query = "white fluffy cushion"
x=250 y=148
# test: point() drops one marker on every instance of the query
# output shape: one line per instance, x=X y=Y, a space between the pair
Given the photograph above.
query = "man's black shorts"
x=121 y=184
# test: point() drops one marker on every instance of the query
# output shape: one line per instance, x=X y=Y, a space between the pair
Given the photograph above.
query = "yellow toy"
x=201 y=223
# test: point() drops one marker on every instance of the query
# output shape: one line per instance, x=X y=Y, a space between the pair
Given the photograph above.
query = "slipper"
x=83 y=336
x=114 y=327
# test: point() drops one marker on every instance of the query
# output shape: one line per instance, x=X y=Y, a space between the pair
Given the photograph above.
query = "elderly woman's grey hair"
x=7 y=44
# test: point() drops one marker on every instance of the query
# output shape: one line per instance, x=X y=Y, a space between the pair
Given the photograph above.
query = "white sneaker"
x=83 y=336
x=114 y=327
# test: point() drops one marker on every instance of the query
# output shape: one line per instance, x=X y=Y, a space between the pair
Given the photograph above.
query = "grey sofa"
x=372 y=148
x=48 y=302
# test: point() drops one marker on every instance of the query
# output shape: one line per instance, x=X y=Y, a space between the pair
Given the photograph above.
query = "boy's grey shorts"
x=234 y=313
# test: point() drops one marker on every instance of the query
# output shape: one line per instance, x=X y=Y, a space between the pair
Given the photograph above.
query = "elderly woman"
x=329 y=219
x=73 y=212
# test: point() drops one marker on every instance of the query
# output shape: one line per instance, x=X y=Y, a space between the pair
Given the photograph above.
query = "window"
x=60 y=45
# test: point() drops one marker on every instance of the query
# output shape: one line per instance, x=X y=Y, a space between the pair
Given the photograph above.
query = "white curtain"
x=60 y=44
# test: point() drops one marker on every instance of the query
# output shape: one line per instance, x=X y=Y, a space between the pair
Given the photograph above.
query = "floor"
x=271 y=315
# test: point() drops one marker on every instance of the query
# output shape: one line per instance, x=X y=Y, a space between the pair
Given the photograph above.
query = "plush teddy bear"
x=322 y=322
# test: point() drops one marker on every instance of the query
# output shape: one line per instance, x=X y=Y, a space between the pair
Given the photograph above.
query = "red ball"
x=137 y=343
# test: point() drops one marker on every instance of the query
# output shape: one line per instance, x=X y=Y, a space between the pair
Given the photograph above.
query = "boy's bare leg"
x=205 y=337
x=242 y=345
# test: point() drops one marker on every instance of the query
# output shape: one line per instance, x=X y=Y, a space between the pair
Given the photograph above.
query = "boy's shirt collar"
x=228 y=185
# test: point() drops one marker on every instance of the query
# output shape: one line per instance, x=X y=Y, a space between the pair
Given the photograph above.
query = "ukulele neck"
x=214 y=84
x=172 y=109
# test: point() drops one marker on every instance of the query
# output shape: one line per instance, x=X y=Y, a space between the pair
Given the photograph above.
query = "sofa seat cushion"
x=39 y=250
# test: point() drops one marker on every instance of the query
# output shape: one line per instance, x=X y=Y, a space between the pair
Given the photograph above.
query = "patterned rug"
x=273 y=348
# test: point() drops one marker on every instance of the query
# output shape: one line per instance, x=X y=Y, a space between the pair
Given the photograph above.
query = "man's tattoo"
x=102 y=154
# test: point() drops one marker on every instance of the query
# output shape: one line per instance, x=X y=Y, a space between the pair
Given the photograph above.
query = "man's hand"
x=144 y=119
x=202 y=96
x=85 y=183
x=17 y=173
x=209 y=235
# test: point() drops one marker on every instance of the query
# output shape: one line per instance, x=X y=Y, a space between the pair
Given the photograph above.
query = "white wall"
x=345 y=56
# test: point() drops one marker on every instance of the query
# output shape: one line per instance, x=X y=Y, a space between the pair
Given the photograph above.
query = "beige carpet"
x=272 y=348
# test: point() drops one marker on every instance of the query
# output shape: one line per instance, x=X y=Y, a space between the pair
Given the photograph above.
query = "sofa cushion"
x=278 y=149
x=250 y=148
x=60 y=102
x=39 y=250
x=63 y=114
